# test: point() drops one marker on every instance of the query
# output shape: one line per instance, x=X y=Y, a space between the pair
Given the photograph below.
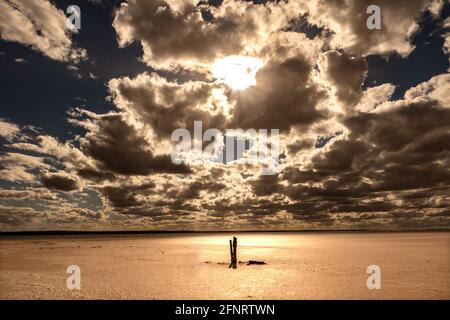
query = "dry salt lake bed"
x=309 y=265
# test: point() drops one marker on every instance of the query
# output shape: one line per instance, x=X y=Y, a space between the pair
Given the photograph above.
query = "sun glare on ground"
x=237 y=72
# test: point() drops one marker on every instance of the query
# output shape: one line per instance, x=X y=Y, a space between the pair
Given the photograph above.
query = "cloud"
x=16 y=167
x=60 y=154
x=39 y=25
x=436 y=89
x=165 y=106
x=126 y=195
x=193 y=189
x=95 y=175
x=351 y=157
x=40 y=194
x=374 y=97
x=191 y=34
x=283 y=97
x=60 y=181
x=346 y=75
x=346 y=20
x=8 y=130
x=265 y=185
x=9 y=216
x=446 y=47
x=39 y=214
x=386 y=161
x=117 y=146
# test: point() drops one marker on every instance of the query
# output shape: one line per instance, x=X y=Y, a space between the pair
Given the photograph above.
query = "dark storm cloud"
x=282 y=98
x=120 y=197
x=60 y=181
x=96 y=175
x=419 y=126
x=265 y=185
x=127 y=195
x=300 y=145
x=346 y=74
x=118 y=147
x=342 y=157
x=193 y=190
x=386 y=154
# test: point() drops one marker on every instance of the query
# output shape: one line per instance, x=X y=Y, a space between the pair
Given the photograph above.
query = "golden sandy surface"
x=195 y=266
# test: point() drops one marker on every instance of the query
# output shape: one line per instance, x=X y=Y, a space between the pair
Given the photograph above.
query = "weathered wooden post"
x=234 y=252
x=233 y=249
x=231 y=254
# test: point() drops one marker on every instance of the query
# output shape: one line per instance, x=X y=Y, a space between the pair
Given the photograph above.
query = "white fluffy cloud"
x=436 y=89
x=446 y=47
x=17 y=167
x=346 y=20
x=176 y=33
x=374 y=97
x=8 y=130
x=39 y=25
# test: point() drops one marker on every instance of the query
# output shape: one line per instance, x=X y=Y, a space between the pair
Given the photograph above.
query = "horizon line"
x=80 y=232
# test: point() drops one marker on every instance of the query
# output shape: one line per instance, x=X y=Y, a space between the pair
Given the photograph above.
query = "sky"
x=87 y=116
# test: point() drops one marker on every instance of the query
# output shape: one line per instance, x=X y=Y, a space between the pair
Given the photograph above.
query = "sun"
x=237 y=72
